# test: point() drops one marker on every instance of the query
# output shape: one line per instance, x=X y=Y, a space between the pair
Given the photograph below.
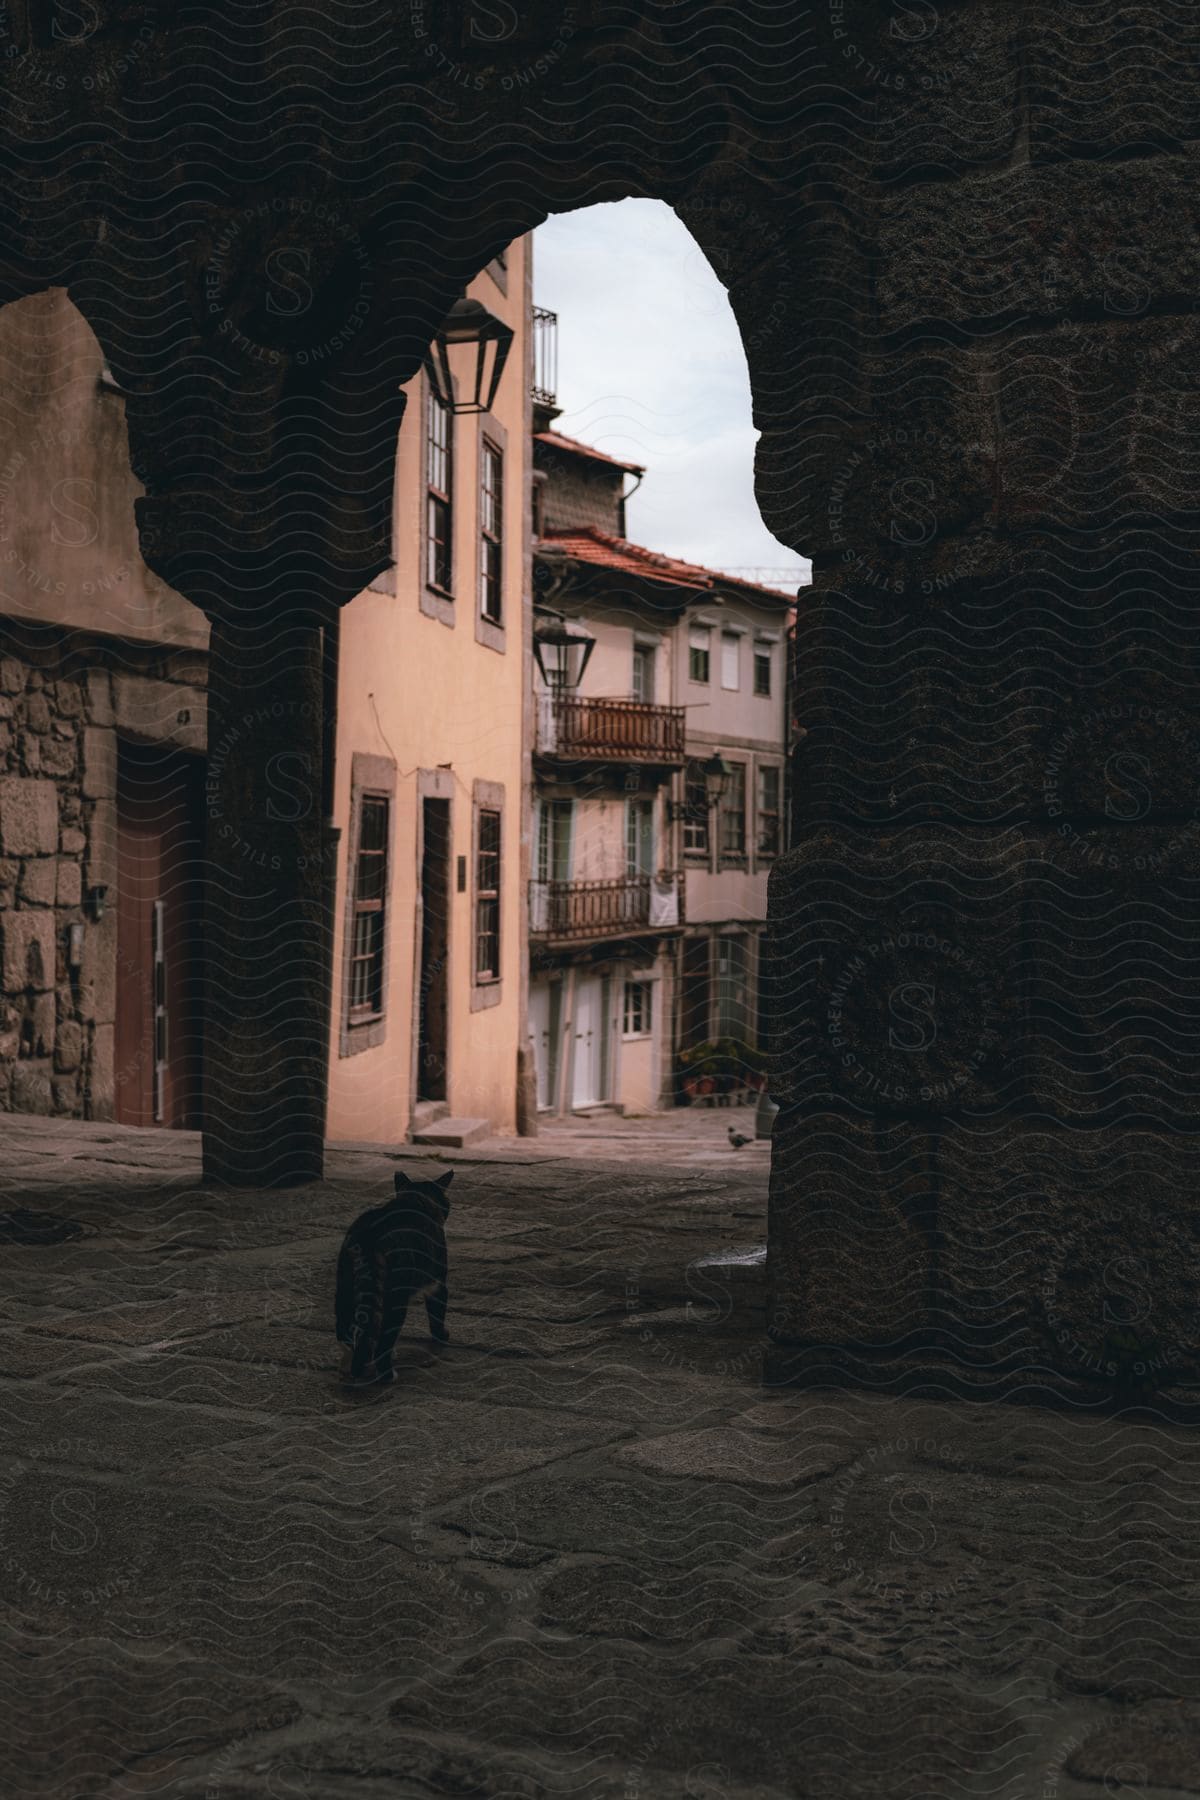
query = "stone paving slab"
x=580 y=1551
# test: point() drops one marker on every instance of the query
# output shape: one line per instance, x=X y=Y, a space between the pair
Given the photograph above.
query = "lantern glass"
x=470 y=323
x=562 y=656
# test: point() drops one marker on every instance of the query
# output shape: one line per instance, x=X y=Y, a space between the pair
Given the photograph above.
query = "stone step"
x=451 y=1133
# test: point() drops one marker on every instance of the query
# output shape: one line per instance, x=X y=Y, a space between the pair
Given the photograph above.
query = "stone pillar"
x=988 y=930
x=267 y=914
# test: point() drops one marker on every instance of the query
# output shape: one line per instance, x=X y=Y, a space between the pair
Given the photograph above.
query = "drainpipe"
x=622 y=531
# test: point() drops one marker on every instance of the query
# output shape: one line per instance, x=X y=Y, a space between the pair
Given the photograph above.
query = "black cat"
x=391 y=1255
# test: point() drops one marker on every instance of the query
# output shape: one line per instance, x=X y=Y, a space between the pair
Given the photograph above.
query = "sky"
x=651 y=369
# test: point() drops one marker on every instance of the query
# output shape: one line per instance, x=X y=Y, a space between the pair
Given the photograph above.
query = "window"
x=643 y=672
x=554 y=840
x=695 y=816
x=491 y=525
x=699 y=644
x=637 y=1008
x=733 y=813
x=768 y=810
x=762 y=670
x=730 y=659
x=731 y=1020
x=639 y=837
x=369 y=917
x=439 y=475
x=487 y=897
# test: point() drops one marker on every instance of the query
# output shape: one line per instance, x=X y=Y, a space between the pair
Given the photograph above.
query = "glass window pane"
x=373 y=831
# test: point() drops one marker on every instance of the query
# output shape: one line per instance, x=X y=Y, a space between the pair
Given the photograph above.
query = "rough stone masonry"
x=959 y=240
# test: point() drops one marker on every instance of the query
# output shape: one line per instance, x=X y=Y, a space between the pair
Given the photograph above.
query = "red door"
x=159 y=886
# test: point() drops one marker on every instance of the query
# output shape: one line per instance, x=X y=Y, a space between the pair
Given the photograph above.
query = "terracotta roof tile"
x=586 y=543
x=557 y=441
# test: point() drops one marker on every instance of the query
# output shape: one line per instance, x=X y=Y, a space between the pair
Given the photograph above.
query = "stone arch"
x=953 y=414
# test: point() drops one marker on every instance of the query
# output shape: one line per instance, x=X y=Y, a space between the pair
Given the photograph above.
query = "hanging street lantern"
x=717 y=776
x=470 y=322
x=562 y=655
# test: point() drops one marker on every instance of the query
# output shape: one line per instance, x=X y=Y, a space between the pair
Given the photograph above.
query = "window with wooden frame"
x=733 y=813
x=487 y=895
x=491 y=532
x=695 y=813
x=768 y=810
x=439 y=503
x=365 y=993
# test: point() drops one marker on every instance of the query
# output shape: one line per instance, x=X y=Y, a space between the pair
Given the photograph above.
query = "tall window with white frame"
x=731 y=996
x=491 y=533
x=731 y=656
x=439 y=501
x=643 y=672
x=638 y=1000
x=365 y=998
x=732 y=842
x=699 y=653
x=762 y=671
x=769 y=843
x=487 y=896
x=695 y=810
x=555 y=823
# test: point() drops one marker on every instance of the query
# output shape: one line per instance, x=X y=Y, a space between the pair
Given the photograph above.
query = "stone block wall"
x=65 y=701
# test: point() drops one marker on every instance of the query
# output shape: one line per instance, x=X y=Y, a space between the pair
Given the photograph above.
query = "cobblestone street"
x=581 y=1551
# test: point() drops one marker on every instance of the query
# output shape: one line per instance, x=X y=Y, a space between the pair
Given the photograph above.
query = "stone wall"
x=65 y=700
x=579 y=493
x=958 y=242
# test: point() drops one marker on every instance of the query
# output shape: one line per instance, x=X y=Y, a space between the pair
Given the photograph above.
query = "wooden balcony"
x=573 y=728
x=575 y=911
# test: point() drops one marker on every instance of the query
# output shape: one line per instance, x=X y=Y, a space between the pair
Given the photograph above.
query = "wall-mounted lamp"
x=96 y=899
x=470 y=322
x=561 y=655
x=717 y=777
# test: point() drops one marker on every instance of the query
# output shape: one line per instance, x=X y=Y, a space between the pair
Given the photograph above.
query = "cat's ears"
x=443 y=1182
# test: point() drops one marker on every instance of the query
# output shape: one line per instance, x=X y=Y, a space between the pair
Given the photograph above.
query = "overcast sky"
x=651 y=369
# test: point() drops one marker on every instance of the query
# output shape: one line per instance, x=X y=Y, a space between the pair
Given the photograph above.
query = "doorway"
x=589 y=1086
x=432 y=1035
x=694 y=1008
x=545 y=1030
x=160 y=872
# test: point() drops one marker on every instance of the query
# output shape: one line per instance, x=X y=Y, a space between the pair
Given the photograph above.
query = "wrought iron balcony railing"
x=598 y=909
x=574 y=727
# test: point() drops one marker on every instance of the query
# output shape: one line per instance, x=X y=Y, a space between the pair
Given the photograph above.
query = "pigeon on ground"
x=737 y=1139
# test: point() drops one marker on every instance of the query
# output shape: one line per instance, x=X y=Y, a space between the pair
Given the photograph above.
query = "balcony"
x=545 y=357
x=575 y=911
x=572 y=728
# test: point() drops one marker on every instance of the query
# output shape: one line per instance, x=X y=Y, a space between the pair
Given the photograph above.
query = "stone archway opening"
x=651 y=376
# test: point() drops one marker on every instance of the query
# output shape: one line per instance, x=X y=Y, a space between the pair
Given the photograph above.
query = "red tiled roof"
x=588 y=544
x=557 y=441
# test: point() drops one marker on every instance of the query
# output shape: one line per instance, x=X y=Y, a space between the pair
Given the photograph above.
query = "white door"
x=588 y=1041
